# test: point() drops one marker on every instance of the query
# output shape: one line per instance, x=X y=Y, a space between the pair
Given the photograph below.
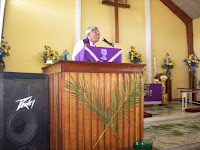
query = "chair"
x=184 y=100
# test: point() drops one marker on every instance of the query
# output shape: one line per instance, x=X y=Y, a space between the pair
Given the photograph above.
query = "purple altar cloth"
x=99 y=54
x=155 y=94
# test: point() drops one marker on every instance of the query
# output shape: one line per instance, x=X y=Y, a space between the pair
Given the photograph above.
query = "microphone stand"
x=114 y=45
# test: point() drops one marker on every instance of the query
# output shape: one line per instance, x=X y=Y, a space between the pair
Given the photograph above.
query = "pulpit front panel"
x=72 y=126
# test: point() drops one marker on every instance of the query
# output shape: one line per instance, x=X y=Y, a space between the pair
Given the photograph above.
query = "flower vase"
x=163 y=87
x=49 y=62
x=2 y=64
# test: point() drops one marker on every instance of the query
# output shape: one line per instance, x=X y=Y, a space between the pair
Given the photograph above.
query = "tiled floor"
x=170 y=127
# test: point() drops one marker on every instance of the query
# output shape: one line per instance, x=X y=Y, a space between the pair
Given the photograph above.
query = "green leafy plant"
x=128 y=96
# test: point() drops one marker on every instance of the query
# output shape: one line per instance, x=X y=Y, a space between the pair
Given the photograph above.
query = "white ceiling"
x=190 y=7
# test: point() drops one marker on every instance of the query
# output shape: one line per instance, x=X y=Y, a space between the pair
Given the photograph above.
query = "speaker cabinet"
x=24 y=120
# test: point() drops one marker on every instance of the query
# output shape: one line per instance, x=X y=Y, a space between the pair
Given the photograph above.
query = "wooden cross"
x=116 y=5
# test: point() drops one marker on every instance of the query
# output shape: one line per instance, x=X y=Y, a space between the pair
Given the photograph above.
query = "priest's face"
x=94 y=35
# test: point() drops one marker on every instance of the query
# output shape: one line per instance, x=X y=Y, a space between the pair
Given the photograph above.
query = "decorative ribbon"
x=115 y=56
x=91 y=53
x=169 y=70
x=192 y=68
x=86 y=42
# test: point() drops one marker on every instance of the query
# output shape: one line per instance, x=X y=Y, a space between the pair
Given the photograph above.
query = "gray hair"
x=89 y=29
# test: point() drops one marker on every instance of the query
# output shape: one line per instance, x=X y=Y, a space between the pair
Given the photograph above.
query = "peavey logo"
x=25 y=103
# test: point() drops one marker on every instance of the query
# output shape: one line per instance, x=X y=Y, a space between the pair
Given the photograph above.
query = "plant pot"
x=2 y=64
x=49 y=62
x=142 y=144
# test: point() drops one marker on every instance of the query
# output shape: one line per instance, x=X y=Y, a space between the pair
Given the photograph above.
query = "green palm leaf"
x=128 y=96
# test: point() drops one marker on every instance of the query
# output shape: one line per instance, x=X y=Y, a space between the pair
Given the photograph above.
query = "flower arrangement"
x=192 y=61
x=5 y=48
x=168 y=64
x=50 y=55
x=161 y=77
x=134 y=56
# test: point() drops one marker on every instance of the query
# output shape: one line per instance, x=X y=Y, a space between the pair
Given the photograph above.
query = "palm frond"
x=128 y=95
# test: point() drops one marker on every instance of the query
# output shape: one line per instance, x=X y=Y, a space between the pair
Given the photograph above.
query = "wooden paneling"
x=74 y=127
x=101 y=92
x=108 y=82
x=65 y=114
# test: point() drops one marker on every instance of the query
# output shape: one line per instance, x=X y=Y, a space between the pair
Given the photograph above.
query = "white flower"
x=163 y=77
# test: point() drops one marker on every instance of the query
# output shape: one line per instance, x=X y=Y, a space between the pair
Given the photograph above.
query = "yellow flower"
x=4 y=46
x=169 y=62
x=52 y=55
x=8 y=52
x=163 y=79
x=193 y=59
x=3 y=40
x=132 y=57
x=53 y=50
x=191 y=55
x=48 y=54
x=5 y=50
x=135 y=53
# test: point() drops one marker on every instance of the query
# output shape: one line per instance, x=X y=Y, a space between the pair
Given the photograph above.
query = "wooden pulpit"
x=74 y=127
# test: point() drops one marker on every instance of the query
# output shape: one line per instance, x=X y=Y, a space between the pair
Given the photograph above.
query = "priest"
x=92 y=37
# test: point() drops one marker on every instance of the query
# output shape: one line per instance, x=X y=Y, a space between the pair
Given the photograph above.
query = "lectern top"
x=92 y=67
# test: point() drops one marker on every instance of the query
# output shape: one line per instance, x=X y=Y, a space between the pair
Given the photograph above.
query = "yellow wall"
x=29 y=25
x=131 y=24
x=196 y=30
x=169 y=36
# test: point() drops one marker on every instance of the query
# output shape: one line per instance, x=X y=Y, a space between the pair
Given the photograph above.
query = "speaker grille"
x=21 y=127
x=27 y=148
x=24 y=120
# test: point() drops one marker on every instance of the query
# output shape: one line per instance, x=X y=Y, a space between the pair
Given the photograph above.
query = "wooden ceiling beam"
x=177 y=11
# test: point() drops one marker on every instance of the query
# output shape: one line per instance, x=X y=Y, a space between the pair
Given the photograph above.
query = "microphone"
x=111 y=44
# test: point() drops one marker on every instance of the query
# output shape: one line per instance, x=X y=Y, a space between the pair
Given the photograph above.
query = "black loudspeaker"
x=24 y=119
